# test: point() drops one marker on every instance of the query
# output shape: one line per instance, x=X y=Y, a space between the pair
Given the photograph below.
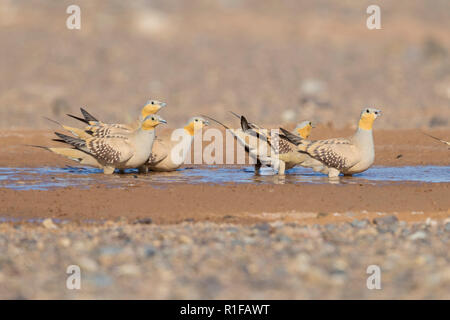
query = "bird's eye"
x=196 y=120
x=153 y=102
x=367 y=111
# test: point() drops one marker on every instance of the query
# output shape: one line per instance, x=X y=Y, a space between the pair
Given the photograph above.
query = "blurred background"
x=275 y=61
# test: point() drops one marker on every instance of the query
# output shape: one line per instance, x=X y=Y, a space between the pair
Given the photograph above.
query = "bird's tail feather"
x=87 y=116
x=216 y=121
x=76 y=142
x=78 y=118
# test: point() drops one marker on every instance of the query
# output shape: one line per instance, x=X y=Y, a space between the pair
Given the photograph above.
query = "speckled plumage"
x=348 y=156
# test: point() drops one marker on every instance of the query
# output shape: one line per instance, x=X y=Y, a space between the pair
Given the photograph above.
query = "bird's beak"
x=206 y=122
x=162 y=121
x=313 y=125
x=163 y=104
x=378 y=113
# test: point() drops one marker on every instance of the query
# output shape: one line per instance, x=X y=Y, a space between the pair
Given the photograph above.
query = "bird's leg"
x=281 y=168
x=333 y=173
x=108 y=170
x=257 y=167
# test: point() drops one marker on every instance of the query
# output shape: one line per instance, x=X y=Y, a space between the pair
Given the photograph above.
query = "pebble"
x=185 y=239
x=208 y=260
x=385 y=220
x=263 y=227
x=144 y=221
x=48 y=224
x=419 y=235
x=447 y=227
x=360 y=223
x=386 y=224
x=87 y=264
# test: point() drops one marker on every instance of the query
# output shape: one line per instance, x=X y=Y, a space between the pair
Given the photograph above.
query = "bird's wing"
x=260 y=133
x=336 y=153
x=110 y=150
x=281 y=145
x=292 y=138
x=160 y=151
x=106 y=130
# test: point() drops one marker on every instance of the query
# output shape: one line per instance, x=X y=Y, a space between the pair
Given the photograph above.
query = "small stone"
x=87 y=264
x=447 y=227
x=262 y=227
x=143 y=221
x=48 y=224
x=185 y=239
x=360 y=223
x=128 y=270
x=109 y=250
x=386 y=224
x=385 y=220
x=65 y=242
x=419 y=235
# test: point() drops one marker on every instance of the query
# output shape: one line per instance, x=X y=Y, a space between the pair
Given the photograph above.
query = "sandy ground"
x=247 y=203
x=275 y=63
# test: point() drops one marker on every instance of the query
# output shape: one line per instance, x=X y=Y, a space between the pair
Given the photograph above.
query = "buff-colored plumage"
x=343 y=155
x=118 y=151
x=97 y=128
x=265 y=148
x=166 y=155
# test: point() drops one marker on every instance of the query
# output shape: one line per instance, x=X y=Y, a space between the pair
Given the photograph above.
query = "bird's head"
x=194 y=124
x=303 y=129
x=152 y=107
x=368 y=116
x=151 y=121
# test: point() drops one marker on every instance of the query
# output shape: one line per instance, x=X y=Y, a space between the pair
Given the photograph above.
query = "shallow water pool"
x=81 y=177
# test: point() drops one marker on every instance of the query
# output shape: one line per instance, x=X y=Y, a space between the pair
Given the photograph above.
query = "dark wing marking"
x=105 y=150
x=251 y=125
x=87 y=116
x=330 y=152
x=78 y=118
x=78 y=143
x=292 y=138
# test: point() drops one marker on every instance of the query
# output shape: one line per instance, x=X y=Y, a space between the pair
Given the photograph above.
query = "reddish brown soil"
x=237 y=204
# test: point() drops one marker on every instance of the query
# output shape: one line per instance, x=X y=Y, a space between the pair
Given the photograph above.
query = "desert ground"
x=232 y=235
x=280 y=240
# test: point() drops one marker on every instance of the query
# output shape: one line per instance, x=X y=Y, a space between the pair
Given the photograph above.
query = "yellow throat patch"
x=149 y=125
x=305 y=131
x=149 y=109
x=190 y=128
